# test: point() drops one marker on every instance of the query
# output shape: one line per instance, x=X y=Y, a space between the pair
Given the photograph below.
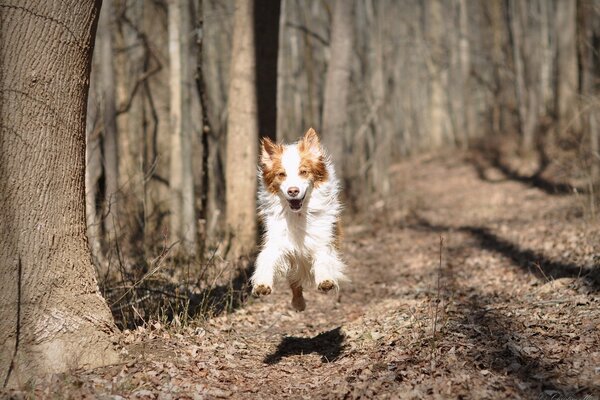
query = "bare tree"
x=53 y=317
x=242 y=134
x=337 y=84
x=526 y=65
x=266 y=36
x=589 y=34
x=567 y=72
x=440 y=130
x=107 y=92
x=93 y=172
x=183 y=218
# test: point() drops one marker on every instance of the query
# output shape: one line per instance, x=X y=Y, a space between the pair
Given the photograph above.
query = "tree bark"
x=53 y=317
x=524 y=62
x=136 y=126
x=567 y=76
x=93 y=172
x=335 y=113
x=589 y=35
x=183 y=219
x=109 y=122
x=440 y=131
x=242 y=134
x=470 y=118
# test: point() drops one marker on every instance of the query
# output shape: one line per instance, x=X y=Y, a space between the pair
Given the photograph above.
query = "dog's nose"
x=293 y=191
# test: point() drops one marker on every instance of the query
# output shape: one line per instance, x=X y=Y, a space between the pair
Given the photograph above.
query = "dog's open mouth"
x=295 y=204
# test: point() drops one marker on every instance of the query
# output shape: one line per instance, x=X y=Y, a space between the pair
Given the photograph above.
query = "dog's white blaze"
x=299 y=245
x=290 y=160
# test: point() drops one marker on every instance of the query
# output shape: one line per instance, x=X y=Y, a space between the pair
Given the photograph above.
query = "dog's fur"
x=298 y=203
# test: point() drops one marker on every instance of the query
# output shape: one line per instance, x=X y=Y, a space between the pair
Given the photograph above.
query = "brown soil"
x=511 y=311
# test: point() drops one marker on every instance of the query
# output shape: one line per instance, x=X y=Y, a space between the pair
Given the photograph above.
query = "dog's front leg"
x=266 y=262
x=328 y=269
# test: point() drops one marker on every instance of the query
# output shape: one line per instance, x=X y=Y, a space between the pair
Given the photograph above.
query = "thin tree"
x=266 y=36
x=440 y=130
x=110 y=149
x=53 y=317
x=335 y=103
x=242 y=134
x=183 y=218
x=567 y=71
x=93 y=173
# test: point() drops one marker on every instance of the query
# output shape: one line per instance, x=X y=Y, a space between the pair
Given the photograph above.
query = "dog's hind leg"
x=297 y=298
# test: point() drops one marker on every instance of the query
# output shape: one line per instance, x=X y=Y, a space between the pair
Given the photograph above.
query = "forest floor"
x=512 y=310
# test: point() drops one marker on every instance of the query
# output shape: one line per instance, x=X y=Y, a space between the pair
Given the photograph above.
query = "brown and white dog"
x=298 y=202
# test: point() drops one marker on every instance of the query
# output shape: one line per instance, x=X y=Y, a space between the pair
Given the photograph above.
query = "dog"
x=298 y=204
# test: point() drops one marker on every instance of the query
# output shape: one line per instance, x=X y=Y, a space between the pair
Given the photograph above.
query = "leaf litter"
x=511 y=311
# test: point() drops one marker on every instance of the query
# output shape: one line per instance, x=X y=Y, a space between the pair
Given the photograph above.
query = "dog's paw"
x=298 y=303
x=326 y=285
x=261 y=290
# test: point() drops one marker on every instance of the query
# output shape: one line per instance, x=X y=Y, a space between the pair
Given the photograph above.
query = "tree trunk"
x=440 y=131
x=109 y=122
x=242 y=134
x=526 y=91
x=266 y=37
x=587 y=39
x=183 y=219
x=93 y=172
x=470 y=118
x=335 y=113
x=53 y=317
x=567 y=77
x=496 y=15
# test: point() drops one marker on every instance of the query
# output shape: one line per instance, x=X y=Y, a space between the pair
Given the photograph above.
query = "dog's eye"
x=303 y=172
x=281 y=175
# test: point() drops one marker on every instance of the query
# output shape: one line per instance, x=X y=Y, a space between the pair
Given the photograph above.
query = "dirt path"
x=514 y=305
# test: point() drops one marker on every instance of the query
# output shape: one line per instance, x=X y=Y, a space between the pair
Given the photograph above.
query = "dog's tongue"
x=295 y=204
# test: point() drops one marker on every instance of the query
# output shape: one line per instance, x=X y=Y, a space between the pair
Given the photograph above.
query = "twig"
x=157 y=262
x=539 y=267
x=437 y=297
x=310 y=33
x=148 y=73
x=131 y=303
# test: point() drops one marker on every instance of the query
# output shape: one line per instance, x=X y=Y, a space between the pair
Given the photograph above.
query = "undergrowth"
x=173 y=291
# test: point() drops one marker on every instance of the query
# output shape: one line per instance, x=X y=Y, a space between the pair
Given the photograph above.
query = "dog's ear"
x=311 y=143
x=268 y=151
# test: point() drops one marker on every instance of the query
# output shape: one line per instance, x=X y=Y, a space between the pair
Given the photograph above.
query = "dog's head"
x=291 y=171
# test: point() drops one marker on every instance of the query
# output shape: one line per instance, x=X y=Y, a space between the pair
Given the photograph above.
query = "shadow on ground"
x=499 y=345
x=527 y=260
x=328 y=344
x=493 y=159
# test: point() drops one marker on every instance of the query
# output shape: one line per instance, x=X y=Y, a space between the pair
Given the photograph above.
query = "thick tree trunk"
x=242 y=134
x=335 y=113
x=183 y=220
x=53 y=317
